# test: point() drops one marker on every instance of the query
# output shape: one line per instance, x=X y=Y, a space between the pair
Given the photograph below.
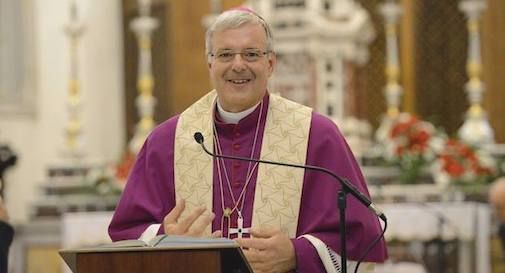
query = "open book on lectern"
x=175 y=241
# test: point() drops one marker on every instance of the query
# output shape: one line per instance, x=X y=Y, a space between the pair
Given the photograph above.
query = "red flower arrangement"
x=411 y=143
x=123 y=168
x=416 y=146
x=411 y=136
x=462 y=163
x=109 y=179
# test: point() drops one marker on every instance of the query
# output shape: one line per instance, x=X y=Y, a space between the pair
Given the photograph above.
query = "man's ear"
x=272 y=61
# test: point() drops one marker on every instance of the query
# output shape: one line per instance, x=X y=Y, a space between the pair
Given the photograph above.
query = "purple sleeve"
x=149 y=193
x=319 y=211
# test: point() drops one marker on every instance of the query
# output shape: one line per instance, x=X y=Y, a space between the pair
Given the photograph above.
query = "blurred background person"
x=6 y=234
x=497 y=200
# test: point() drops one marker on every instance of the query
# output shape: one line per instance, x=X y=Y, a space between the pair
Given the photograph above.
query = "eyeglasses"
x=250 y=55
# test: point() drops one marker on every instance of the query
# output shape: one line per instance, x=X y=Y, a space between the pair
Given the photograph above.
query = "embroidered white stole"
x=278 y=189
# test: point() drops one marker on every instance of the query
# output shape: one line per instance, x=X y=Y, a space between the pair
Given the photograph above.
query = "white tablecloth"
x=467 y=221
x=84 y=229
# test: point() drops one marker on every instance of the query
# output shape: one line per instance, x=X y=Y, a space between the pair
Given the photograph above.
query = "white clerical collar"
x=234 y=118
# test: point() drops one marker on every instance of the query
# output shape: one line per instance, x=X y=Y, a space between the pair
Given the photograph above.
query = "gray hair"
x=233 y=19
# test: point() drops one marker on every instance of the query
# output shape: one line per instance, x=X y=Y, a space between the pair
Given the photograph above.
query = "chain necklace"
x=239 y=202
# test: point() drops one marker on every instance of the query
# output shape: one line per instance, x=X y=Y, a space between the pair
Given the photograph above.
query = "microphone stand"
x=342 y=205
x=442 y=221
x=440 y=244
x=347 y=187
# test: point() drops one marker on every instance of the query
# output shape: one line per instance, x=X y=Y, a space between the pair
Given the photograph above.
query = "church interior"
x=414 y=86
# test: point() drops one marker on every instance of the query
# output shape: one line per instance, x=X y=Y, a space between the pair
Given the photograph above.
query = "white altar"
x=82 y=229
x=468 y=222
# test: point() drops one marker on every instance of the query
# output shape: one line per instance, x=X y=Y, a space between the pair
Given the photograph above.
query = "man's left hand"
x=269 y=251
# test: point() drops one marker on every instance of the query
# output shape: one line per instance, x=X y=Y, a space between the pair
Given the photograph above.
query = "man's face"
x=497 y=199
x=499 y=207
x=240 y=84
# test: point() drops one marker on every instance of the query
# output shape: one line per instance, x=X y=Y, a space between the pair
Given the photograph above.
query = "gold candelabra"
x=74 y=129
x=143 y=26
x=476 y=129
x=391 y=12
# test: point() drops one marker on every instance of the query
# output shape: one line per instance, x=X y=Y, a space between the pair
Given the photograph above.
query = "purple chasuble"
x=149 y=194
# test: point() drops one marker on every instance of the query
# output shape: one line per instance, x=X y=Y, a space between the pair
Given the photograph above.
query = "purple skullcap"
x=246 y=9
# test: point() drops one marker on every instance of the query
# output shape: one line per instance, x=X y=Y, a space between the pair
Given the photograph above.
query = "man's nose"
x=238 y=62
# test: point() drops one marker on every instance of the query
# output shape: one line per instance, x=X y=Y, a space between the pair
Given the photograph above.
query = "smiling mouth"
x=239 y=81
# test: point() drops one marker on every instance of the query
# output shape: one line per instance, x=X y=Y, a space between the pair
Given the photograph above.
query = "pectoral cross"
x=240 y=230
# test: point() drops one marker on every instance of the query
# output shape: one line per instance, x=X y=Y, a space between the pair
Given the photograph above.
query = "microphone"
x=345 y=183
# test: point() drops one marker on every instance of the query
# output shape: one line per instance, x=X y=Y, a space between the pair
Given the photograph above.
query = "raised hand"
x=269 y=251
x=193 y=225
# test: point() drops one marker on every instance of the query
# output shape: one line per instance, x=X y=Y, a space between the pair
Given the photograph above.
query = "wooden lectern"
x=192 y=259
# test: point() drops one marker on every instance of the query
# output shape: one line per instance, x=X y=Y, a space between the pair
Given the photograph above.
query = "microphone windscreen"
x=198 y=137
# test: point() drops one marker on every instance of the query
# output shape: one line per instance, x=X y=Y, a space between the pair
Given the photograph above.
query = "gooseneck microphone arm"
x=348 y=187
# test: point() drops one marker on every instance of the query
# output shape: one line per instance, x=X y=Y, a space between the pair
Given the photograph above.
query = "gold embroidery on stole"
x=193 y=168
x=278 y=188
